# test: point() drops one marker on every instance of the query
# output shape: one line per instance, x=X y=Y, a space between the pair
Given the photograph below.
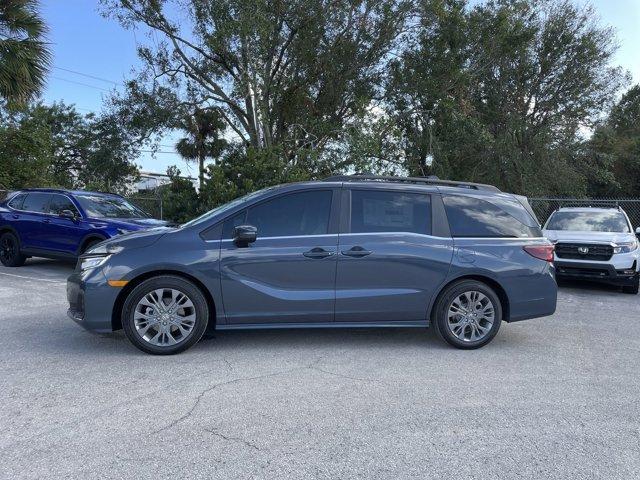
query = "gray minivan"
x=349 y=251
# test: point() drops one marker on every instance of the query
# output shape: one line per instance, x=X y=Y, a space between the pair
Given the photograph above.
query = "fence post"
x=161 y=213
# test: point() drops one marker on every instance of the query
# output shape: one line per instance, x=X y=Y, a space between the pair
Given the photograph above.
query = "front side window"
x=17 y=201
x=472 y=217
x=97 y=206
x=60 y=203
x=36 y=202
x=613 y=221
x=385 y=211
x=302 y=213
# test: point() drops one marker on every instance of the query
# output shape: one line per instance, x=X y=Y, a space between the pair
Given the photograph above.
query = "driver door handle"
x=317 y=252
x=356 y=251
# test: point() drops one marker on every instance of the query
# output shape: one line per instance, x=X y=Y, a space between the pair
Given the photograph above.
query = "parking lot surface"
x=557 y=397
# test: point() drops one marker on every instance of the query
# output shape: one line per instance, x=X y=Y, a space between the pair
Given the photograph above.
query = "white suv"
x=595 y=244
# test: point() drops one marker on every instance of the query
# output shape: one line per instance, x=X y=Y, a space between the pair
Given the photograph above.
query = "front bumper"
x=91 y=301
x=596 y=271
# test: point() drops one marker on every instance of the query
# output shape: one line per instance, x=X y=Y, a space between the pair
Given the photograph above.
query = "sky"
x=93 y=55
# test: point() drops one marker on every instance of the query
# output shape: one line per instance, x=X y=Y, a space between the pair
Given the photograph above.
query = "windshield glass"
x=224 y=207
x=613 y=221
x=98 y=206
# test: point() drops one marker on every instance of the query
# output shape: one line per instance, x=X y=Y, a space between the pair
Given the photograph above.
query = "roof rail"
x=432 y=180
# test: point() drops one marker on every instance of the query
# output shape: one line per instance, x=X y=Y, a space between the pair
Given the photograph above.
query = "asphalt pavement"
x=557 y=397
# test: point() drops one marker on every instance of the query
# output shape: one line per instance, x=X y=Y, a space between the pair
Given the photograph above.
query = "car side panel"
x=529 y=283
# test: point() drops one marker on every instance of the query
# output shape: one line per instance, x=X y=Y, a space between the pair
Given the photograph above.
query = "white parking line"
x=34 y=279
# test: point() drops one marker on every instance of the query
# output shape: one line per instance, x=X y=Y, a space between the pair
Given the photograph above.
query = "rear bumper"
x=598 y=272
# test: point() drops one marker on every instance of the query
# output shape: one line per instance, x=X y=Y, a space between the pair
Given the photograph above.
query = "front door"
x=389 y=264
x=65 y=234
x=288 y=274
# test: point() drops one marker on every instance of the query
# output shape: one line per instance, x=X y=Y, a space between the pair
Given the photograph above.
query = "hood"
x=138 y=239
x=588 y=237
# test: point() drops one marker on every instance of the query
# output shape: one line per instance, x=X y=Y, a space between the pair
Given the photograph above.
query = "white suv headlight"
x=625 y=247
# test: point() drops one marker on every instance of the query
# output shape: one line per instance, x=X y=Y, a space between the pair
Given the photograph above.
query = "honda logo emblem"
x=583 y=250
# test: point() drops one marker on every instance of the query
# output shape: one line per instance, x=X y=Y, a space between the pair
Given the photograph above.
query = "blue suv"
x=352 y=251
x=57 y=223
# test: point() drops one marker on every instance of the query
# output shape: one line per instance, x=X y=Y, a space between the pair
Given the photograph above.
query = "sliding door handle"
x=356 y=252
x=318 y=252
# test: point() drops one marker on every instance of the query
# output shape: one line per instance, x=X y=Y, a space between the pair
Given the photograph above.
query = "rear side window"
x=36 y=202
x=386 y=211
x=60 y=203
x=473 y=217
x=16 y=202
x=303 y=213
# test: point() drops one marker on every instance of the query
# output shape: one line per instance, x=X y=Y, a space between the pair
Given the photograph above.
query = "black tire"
x=634 y=287
x=192 y=292
x=440 y=317
x=10 y=255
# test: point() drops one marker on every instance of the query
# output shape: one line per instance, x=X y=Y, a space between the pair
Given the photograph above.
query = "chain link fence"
x=544 y=207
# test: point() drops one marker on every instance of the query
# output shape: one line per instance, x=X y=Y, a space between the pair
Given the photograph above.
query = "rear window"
x=613 y=221
x=473 y=217
x=36 y=202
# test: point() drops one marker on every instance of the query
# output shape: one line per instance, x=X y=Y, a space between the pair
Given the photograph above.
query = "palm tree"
x=24 y=56
x=203 y=128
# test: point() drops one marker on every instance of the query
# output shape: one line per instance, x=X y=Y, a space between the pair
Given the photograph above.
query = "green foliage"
x=56 y=146
x=24 y=55
x=180 y=201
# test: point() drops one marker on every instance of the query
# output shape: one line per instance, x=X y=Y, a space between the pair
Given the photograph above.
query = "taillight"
x=543 y=252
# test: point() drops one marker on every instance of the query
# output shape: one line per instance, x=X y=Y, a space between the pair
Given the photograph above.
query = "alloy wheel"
x=7 y=248
x=164 y=317
x=471 y=316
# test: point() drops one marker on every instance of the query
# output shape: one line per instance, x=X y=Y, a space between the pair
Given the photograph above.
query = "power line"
x=87 y=75
x=159 y=151
x=80 y=83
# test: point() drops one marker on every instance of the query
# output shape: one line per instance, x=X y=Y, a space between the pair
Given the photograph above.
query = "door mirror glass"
x=243 y=235
x=68 y=214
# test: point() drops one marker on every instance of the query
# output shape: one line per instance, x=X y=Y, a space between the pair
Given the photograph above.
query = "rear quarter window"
x=473 y=217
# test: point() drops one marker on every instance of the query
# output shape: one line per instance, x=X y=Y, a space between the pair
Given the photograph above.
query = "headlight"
x=625 y=247
x=105 y=249
x=92 y=262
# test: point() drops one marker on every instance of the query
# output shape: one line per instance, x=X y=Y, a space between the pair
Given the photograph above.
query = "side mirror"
x=243 y=235
x=68 y=214
x=638 y=232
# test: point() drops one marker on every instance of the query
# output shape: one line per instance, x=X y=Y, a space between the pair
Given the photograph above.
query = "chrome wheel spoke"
x=470 y=316
x=164 y=317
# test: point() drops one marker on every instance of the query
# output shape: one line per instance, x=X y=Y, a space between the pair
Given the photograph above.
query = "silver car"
x=595 y=244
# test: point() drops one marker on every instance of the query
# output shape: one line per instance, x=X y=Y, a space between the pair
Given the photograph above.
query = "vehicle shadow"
x=586 y=286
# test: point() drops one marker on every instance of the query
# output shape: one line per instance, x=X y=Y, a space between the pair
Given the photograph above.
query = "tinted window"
x=472 y=217
x=36 y=202
x=381 y=211
x=613 y=221
x=303 y=213
x=231 y=223
x=16 y=202
x=60 y=203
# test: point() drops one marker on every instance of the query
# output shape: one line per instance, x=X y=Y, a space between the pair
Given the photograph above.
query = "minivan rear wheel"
x=468 y=314
x=10 y=255
x=165 y=315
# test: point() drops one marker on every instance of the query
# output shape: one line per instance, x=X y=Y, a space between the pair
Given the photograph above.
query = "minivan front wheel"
x=468 y=314
x=165 y=315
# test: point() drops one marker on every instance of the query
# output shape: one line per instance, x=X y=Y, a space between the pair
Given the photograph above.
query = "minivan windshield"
x=98 y=206
x=612 y=221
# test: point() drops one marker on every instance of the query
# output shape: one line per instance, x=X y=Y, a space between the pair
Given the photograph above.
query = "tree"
x=615 y=148
x=284 y=74
x=500 y=92
x=53 y=145
x=179 y=198
x=203 y=128
x=24 y=56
